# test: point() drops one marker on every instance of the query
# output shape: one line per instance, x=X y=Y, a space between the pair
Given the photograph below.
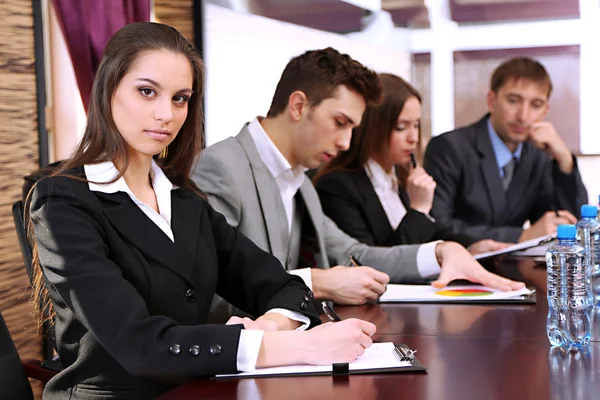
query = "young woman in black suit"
x=128 y=252
x=375 y=191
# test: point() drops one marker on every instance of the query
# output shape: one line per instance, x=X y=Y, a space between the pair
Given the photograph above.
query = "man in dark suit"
x=509 y=167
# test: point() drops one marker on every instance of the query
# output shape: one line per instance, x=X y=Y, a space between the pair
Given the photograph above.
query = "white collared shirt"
x=106 y=171
x=385 y=185
x=386 y=188
x=288 y=180
x=250 y=340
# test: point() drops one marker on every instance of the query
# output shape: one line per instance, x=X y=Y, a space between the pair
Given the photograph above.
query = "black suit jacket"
x=349 y=199
x=469 y=194
x=131 y=304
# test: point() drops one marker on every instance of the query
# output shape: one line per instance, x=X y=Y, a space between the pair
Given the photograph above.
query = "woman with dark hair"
x=375 y=191
x=128 y=253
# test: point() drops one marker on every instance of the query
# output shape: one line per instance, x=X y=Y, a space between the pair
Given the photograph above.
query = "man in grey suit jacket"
x=257 y=181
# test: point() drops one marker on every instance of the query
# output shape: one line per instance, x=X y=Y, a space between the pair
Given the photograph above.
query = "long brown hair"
x=102 y=141
x=372 y=136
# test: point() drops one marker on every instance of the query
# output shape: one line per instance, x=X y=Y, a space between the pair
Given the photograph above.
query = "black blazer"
x=131 y=305
x=349 y=199
x=469 y=196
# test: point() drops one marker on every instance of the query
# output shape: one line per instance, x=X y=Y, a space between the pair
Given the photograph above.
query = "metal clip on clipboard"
x=404 y=353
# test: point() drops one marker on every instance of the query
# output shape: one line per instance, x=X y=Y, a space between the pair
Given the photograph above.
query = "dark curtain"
x=87 y=25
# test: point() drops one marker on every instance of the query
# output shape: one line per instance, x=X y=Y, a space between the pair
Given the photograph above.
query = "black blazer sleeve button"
x=175 y=349
x=303 y=306
x=195 y=350
x=190 y=296
x=215 y=349
x=310 y=295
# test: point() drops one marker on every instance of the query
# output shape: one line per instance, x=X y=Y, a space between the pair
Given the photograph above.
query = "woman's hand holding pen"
x=420 y=187
x=547 y=224
x=338 y=342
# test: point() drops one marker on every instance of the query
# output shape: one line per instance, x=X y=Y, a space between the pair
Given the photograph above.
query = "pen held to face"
x=413 y=160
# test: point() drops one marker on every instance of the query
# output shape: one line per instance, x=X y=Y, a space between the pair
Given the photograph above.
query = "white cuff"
x=248 y=349
x=305 y=274
x=293 y=316
x=251 y=339
x=427 y=263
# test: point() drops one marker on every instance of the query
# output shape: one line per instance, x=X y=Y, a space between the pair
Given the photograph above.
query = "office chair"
x=17 y=212
x=13 y=379
x=48 y=342
x=50 y=360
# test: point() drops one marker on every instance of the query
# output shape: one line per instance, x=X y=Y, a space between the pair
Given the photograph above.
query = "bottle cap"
x=566 y=232
x=588 y=211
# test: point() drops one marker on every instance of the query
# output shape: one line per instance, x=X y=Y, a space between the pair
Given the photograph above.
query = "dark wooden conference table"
x=470 y=351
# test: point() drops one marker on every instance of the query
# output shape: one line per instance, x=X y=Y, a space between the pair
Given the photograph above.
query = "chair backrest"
x=13 y=379
x=48 y=344
x=17 y=211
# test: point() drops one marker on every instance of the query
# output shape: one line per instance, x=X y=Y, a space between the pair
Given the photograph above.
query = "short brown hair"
x=372 y=136
x=318 y=73
x=520 y=68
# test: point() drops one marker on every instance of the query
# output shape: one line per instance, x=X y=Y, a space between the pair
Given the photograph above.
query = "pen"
x=354 y=262
x=413 y=160
x=330 y=313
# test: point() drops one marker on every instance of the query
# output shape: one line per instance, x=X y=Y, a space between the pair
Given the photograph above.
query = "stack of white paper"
x=379 y=355
x=427 y=293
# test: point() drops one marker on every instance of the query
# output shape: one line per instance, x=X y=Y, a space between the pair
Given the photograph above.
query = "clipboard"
x=398 y=358
x=463 y=294
x=529 y=244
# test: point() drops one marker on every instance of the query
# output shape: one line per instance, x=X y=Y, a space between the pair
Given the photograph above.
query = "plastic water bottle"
x=588 y=235
x=568 y=322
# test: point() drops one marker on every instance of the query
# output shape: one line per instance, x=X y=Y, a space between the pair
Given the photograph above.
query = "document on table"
x=466 y=293
x=377 y=358
x=528 y=244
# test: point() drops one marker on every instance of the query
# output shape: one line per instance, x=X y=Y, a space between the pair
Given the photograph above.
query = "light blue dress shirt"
x=502 y=153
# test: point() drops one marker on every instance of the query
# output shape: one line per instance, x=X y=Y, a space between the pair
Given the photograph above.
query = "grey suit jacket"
x=239 y=185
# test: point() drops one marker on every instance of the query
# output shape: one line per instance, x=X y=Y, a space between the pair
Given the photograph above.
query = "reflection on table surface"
x=470 y=350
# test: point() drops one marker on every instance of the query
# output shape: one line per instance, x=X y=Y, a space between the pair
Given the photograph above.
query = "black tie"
x=509 y=172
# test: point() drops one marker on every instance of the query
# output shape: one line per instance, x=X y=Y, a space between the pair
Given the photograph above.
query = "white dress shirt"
x=385 y=185
x=288 y=180
x=386 y=188
x=250 y=340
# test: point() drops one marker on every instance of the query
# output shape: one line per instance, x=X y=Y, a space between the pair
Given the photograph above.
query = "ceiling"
x=338 y=16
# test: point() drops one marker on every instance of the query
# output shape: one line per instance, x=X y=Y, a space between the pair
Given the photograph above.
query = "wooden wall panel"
x=472 y=72
x=178 y=14
x=18 y=156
